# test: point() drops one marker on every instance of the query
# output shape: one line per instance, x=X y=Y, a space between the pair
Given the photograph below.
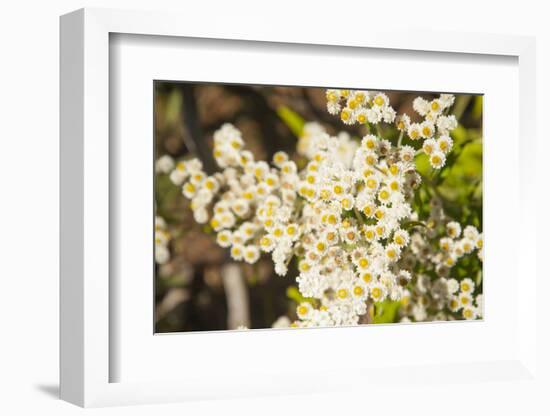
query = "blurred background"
x=199 y=288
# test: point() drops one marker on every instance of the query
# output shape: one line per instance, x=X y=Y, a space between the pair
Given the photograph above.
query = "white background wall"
x=29 y=183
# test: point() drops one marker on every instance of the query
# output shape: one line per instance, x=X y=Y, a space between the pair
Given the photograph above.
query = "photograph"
x=307 y=207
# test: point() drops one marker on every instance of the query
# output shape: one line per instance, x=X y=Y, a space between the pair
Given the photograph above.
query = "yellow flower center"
x=332 y=97
x=302 y=310
x=342 y=293
x=465 y=287
x=358 y=290
x=304 y=266
x=371 y=183
x=367 y=277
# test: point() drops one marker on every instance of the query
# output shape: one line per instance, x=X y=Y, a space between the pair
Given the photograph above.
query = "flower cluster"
x=162 y=239
x=437 y=293
x=341 y=216
x=345 y=215
x=434 y=129
x=364 y=107
x=359 y=106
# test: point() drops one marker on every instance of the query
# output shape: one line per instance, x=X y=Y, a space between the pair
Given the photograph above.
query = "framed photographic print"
x=280 y=213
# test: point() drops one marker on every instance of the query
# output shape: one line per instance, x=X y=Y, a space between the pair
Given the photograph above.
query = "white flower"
x=251 y=254
x=162 y=254
x=164 y=164
x=445 y=124
x=437 y=159
x=469 y=312
x=414 y=131
x=201 y=215
x=421 y=106
x=429 y=146
x=224 y=238
x=467 y=285
x=453 y=229
x=281 y=322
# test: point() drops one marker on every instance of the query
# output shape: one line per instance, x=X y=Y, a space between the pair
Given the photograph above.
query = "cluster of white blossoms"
x=359 y=106
x=162 y=239
x=364 y=107
x=435 y=293
x=345 y=215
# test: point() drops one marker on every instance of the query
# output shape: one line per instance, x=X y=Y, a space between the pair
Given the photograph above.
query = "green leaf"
x=477 y=109
x=293 y=120
x=386 y=312
x=294 y=294
x=410 y=224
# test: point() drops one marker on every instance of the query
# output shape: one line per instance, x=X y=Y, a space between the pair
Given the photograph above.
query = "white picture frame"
x=86 y=353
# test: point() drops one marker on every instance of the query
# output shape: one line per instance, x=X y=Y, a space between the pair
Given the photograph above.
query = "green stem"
x=358 y=216
x=400 y=139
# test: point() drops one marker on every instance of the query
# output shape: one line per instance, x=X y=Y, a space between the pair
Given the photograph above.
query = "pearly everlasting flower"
x=164 y=164
x=162 y=240
x=345 y=214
